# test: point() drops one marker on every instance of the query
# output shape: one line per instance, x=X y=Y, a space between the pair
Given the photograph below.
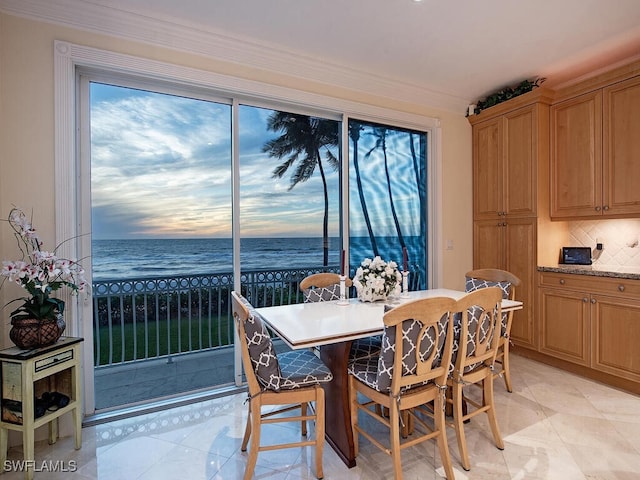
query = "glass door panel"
x=387 y=197
x=161 y=242
x=289 y=201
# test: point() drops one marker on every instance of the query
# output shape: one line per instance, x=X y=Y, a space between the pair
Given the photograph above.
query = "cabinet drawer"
x=58 y=359
x=591 y=284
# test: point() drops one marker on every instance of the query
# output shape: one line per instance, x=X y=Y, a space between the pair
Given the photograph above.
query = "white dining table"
x=333 y=327
x=304 y=325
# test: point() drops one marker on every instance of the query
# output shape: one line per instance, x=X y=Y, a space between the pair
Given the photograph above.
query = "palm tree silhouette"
x=354 y=133
x=300 y=144
x=380 y=134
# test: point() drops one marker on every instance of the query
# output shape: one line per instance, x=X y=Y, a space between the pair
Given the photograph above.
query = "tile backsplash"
x=620 y=240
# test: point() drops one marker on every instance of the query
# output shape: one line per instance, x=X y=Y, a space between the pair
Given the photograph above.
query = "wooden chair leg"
x=491 y=412
x=459 y=425
x=407 y=424
x=303 y=412
x=255 y=439
x=506 y=369
x=319 y=430
x=247 y=431
x=394 y=420
x=441 y=427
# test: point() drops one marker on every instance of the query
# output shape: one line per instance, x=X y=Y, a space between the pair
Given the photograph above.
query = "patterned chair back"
x=259 y=359
x=322 y=287
x=493 y=277
x=477 y=317
x=418 y=336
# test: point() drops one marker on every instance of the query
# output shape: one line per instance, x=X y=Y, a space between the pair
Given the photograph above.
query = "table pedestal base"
x=337 y=409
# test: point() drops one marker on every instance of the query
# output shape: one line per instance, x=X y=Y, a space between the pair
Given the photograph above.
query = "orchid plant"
x=39 y=272
x=377 y=279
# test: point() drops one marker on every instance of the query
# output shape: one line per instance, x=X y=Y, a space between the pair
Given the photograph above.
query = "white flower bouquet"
x=376 y=279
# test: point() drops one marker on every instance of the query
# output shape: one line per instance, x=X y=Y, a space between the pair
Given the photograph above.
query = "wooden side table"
x=26 y=375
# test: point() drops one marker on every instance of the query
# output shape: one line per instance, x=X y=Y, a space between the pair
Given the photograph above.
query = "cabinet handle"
x=621 y=288
x=605 y=208
x=593 y=300
x=585 y=299
x=598 y=208
x=562 y=281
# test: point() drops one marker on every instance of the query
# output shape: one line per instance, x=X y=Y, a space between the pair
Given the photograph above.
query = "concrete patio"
x=136 y=384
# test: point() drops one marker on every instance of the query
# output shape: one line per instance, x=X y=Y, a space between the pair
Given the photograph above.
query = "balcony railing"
x=145 y=318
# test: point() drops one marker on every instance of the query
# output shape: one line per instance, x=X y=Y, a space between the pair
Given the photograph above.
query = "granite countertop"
x=631 y=273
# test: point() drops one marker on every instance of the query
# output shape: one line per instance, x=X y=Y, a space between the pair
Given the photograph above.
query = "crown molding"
x=196 y=39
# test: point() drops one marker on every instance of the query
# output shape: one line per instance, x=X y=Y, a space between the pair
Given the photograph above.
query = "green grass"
x=160 y=339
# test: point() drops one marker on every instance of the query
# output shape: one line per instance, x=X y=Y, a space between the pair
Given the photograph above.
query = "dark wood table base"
x=337 y=409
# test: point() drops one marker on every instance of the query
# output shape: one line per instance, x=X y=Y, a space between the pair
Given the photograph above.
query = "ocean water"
x=124 y=259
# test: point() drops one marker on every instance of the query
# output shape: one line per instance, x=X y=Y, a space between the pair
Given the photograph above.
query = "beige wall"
x=27 y=135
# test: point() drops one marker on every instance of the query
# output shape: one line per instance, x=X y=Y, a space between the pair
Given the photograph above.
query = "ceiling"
x=466 y=49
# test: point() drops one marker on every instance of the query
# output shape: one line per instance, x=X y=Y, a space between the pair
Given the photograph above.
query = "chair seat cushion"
x=301 y=368
x=366 y=370
x=365 y=347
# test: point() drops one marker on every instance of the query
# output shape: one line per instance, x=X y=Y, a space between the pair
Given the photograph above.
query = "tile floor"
x=555 y=426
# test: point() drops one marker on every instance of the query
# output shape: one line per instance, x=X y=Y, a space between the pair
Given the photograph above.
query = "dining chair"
x=322 y=287
x=325 y=287
x=288 y=381
x=410 y=371
x=474 y=349
x=507 y=282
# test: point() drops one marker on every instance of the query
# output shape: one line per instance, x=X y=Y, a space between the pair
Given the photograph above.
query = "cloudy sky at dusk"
x=161 y=168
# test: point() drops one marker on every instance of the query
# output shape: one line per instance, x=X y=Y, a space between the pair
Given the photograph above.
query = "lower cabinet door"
x=616 y=336
x=565 y=325
x=520 y=248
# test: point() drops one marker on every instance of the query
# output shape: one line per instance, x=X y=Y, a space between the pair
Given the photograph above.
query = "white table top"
x=304 y=325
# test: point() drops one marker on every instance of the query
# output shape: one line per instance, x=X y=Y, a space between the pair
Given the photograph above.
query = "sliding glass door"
x=387 y=197
x=161 y=237
x=166 y=193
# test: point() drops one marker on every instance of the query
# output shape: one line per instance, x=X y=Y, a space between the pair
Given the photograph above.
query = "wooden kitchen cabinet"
x=487 y=166
x=504 y=165
x=510 y=193
x=591 y=321
x=595 y=148
x=621 y=148
x=616 y=336
x=576 y=156
x=565 y=325
x=510 y=244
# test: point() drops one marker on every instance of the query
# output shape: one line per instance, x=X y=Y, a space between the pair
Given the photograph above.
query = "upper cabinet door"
x=487 y=169
x=621 y=120
x=504 y=165
x=520 y=161
x=576 y=156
